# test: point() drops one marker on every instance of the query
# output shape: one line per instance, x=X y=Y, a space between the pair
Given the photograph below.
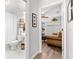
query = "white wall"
x=54 y=11
x=34 y=31
x=52 y=29
x=11 y=26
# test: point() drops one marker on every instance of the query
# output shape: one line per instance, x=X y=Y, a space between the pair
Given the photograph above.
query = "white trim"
x=40 y=30
x=64 y=25
x=64 y=31
x=35 y=54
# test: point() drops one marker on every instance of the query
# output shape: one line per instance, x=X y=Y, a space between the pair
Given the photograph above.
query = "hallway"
x=28 y=22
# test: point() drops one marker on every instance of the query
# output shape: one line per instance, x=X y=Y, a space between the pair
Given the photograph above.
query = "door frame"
x=63 y=26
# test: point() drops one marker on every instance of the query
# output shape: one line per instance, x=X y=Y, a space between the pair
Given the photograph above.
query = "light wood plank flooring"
x=49 y=52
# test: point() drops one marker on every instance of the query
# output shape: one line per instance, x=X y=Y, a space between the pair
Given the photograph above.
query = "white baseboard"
x=36 y=54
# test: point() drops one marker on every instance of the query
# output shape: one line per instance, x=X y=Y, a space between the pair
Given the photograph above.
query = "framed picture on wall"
x=70 y=11
x=34 y=20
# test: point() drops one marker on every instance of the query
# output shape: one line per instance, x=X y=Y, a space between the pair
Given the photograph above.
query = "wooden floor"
x=49 y=52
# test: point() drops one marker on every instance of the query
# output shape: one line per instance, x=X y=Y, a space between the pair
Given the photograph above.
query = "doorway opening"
x=51 y=21
x=17 y=29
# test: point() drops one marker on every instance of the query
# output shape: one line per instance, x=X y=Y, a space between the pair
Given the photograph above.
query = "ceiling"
x=46 y=2
x=52 y=11
x=15 y=6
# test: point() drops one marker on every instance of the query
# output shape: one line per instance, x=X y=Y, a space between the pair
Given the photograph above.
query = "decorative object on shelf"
x=54 y=19
x=21 y=32
x=34 y=20
x=22 y=46
x=20 y=27
x=44 y=17
x=70 y=11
